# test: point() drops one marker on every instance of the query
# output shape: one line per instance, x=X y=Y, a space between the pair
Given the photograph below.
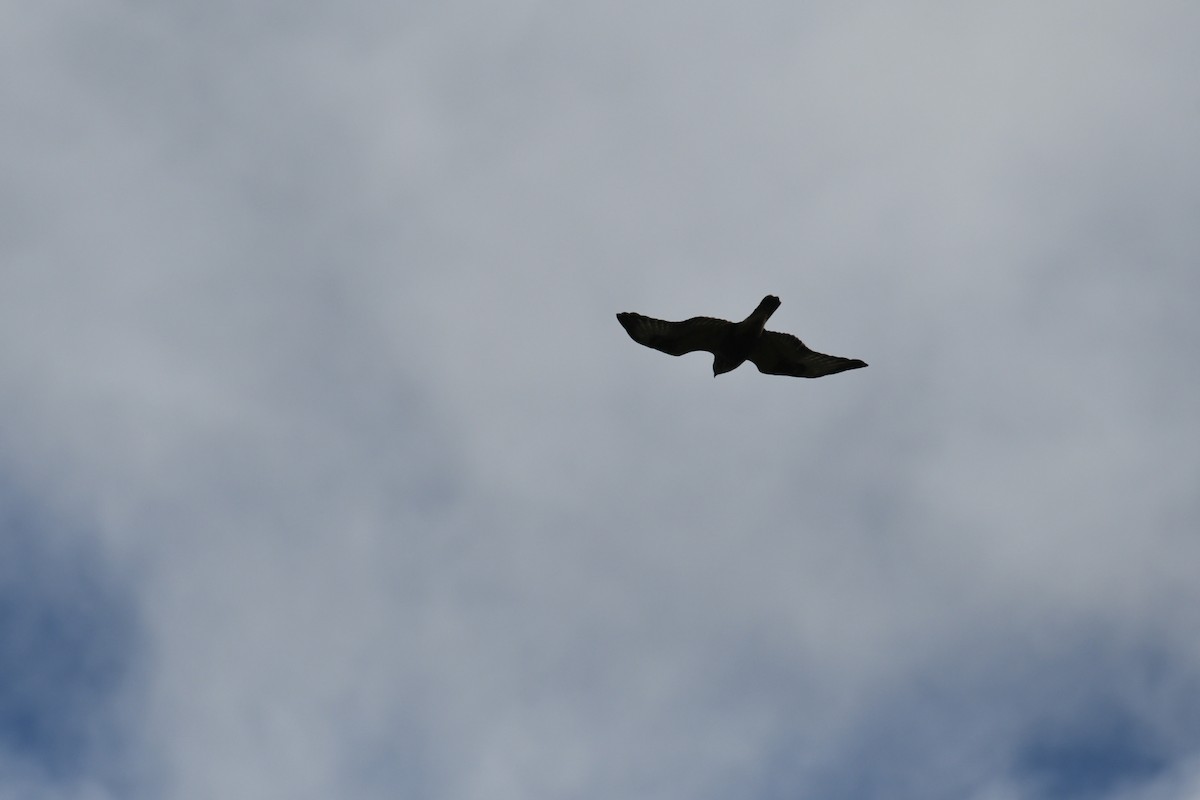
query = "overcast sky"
x=326 y=470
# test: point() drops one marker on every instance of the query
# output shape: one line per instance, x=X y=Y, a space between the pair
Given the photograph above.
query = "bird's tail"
x=764 y=311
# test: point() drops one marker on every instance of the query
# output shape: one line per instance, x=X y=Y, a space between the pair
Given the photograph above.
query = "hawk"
x=731 y=343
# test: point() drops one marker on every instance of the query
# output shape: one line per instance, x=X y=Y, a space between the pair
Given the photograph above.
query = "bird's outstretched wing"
x=784 y=354
x=676 y=338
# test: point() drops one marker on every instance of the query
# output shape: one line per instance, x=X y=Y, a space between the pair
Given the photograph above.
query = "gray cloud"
x=308 y=316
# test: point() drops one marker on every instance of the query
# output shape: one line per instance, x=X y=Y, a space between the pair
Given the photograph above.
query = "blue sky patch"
x=67 y=643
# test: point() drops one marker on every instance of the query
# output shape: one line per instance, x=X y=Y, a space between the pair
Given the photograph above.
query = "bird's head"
x=723 y=365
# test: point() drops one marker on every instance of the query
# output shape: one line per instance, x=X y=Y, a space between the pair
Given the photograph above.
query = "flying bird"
x=732 y=343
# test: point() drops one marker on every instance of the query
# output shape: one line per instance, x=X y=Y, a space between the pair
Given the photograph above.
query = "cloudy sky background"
x=326 y=471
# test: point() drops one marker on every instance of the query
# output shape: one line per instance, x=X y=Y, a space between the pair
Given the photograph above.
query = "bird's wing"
x=784 y=354
x=676 y=338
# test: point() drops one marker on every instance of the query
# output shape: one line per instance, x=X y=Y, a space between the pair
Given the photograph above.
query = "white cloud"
x=310 y=314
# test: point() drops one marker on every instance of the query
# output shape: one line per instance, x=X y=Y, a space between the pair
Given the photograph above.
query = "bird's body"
x=733 y=343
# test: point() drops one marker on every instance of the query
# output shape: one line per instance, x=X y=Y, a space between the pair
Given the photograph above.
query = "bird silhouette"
x=733 y=343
